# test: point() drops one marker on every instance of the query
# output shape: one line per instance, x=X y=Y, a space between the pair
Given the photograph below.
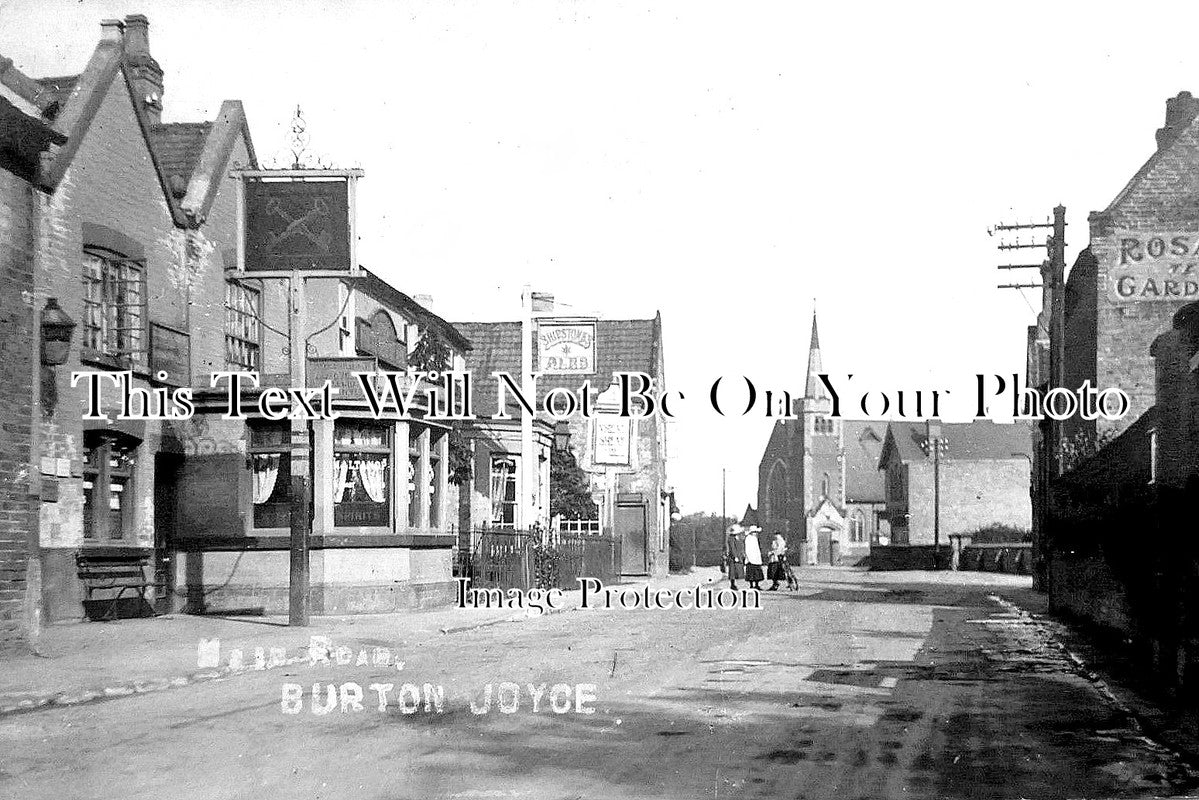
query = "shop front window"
x=413 y=476
x=503 y=490
x=270 y=458
x=107 y=490
x=435 y=479
x=361 y=475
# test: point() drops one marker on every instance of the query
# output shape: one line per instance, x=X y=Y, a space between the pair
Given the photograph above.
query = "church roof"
x=981 y=440
x=863 y=446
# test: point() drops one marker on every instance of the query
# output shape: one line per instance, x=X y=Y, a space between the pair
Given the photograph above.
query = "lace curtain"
x=341 y=477
x=266 y=471
x=372 y=472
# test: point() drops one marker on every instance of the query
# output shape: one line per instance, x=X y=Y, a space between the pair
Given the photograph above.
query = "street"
x=858 y=686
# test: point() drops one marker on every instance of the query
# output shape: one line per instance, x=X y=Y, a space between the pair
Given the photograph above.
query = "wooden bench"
x=101 y=572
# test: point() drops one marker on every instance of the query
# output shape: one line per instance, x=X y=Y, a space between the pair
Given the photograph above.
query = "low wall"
x=1014 y=559
x=904 y=556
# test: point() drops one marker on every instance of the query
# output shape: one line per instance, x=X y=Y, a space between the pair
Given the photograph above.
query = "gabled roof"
x=621 y=345
x=71 y=102
x=1181 y=115
x=981 y=440
x=863 y=446
x=825 y=501
x=179 y=145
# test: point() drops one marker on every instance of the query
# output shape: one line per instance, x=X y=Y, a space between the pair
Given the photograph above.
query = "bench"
x=121 y=572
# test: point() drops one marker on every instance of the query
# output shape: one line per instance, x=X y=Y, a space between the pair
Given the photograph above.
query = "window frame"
x=386 y=449
x=510 y=480
x=235 y=318
x=100 y=472
x=282 y=482
x=136 y=357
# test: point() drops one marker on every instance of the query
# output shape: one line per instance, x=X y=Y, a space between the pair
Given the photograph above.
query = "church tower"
x=823 y=462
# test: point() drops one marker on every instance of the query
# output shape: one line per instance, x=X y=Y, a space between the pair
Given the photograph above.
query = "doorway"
x=631 y=532
x=166 y=480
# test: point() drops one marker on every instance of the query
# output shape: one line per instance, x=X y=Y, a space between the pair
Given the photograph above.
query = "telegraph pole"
x=1053 y=282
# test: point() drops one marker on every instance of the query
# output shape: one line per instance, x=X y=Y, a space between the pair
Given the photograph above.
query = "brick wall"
x=17 y=507
x=1160 y=199
x=974 y=494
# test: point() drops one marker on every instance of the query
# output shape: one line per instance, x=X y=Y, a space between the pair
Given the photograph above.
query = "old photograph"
x=562 y=399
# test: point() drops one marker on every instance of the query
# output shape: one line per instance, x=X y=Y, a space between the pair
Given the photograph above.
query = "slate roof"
x=621 y=345
x=387 y=294
x=22 y=139
x=863 y=445
x=980 y=440
x=178 y=146
x=55 y=92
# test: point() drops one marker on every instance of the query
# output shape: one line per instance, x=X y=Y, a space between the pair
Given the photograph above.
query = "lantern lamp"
x=57 y=329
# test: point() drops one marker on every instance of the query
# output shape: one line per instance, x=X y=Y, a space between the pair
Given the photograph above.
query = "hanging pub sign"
x=566 y=347
x=1156 y=266
x=298 y=220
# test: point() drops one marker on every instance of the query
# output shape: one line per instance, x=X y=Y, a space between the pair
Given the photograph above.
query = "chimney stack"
x=144 y=71
x=1180 y=112
x=426 y=301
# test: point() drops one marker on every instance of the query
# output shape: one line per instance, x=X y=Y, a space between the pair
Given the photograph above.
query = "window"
x=361 y=474
x=503 y=490
x=434 y=479
x=822 y=425
x=114 y=308
x=243 y=327
x=270 y=458
x=413 y=475
x=824 y=486
x=107 y=489
x=857 y=527
x=1153 y=455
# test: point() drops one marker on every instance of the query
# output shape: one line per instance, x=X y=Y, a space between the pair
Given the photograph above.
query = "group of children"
x=743 y=549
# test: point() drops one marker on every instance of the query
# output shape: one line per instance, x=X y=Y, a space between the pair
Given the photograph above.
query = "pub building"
x=134 y=241
x=381 y=532
x=624 y=459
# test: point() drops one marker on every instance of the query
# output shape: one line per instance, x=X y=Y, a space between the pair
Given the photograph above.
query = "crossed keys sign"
x=301 y=224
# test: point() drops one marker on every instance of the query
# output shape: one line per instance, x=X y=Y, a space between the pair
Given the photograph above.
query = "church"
x=818 y=481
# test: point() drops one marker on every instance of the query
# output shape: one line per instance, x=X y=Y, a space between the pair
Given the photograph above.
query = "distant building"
x=983 y=479
x=624 y=458
x=818 y=480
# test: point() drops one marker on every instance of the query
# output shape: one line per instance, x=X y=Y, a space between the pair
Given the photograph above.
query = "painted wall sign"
x=297 y=225
x=1161 y=266
x=170 y=352
x=613 y=440
x=566 y=348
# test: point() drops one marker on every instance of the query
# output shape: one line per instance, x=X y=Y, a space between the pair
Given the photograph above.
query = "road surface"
x=854 y=687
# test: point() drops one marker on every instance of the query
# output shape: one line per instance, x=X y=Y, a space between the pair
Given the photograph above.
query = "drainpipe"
x=34 y=602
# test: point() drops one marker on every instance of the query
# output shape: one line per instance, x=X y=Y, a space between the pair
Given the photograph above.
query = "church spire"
x=815 y=389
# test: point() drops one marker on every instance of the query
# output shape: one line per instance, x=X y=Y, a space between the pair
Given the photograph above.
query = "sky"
x=727 y=164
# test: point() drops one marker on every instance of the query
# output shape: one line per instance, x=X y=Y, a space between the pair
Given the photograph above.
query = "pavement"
x=83 y=662
x=859 y=685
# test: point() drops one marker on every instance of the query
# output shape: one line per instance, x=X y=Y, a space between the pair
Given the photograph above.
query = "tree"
x=570 y=489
